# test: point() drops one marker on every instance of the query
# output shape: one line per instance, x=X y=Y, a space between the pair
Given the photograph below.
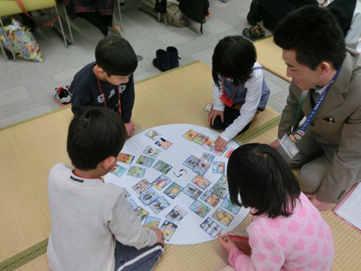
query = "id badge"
x=289 y=146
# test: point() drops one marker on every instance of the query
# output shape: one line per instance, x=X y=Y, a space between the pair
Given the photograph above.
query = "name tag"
x=289 y=146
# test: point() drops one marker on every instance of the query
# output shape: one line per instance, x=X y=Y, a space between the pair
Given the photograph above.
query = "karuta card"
x=148 y=196
x=220 y=190
x=151 y=151
x=223 y=181
x=125 y=158
x=201 y=168
x=208 y=144
x=162 y=167
x=219 y=153
x=192 y=191
x=161 y=182
x=218 y=167
x=207 y=157
x=222 y=216
x=173 y=190
x=191 y=162
x=168 y=229
x=199 y=208
x=152 y=222
x=210 y=198
x=201 y=182
x=200 y=139
x=208 y=107
x=190 y=135
x=145 y=161
x=136 y=172
x=126 y=193
x=211 y=227
x=228 y=153
x=132 y=204
x=118 y=170
x=159 y=205
x=141 y=213
x=176 y=215
x=227 y=204
x=163 y=143
x=142 y=186
x=153 y=134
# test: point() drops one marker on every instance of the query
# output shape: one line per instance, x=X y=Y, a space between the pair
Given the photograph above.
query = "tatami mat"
x=28 y=151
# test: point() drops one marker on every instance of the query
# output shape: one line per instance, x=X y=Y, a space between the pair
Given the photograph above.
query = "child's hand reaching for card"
x=219 y=144
x=213 y=114
x=226 y=242
x=160 y=236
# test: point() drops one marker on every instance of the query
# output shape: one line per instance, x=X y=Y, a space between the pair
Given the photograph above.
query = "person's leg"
x=95 y=19
x=129 y=258
x=254 y=16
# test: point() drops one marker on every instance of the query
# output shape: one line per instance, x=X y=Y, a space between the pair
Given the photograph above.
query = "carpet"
x=29 y=149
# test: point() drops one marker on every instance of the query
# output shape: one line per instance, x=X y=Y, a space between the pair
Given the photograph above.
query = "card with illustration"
x=125 y=158
x=118 y=170
x=168 y=228
x=148 y=196
x=141 y=213
x=142 y=186
x=201 y=182
x=228 y=153
x=161 y=182
x=200 y=139
x=173 y=190
x=211 y=227
x=220 y=190
x=136 y=172
x=190 y=135
x=163 y=143
x=192 y=191
x=152 y=222
x=199 y=208
x=162 y=167
x=153 y=134
x=208 y=107
x=223 y=181
x=210 y=198
x=176 y=215
x=151 y=151
x=201 y=168
x=159 y=204
x=227 y=204
x=218 y=167
x=132 y=204
x=219 y=153
x=208 y=144
x=222 y=216
x=207 y=157
x=191 y=162
x=145 y=161
x=126 y=193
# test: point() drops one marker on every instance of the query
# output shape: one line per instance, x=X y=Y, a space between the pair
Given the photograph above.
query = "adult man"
x=329 y=144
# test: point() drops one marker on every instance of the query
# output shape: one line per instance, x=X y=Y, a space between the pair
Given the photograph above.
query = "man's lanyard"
x=101 y=91
x=301 y=131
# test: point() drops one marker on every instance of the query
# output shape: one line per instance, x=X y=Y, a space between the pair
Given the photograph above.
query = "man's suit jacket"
x=343 y=104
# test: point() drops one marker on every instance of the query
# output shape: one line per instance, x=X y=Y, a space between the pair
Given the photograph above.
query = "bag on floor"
x=174 y=16
x=22 y=41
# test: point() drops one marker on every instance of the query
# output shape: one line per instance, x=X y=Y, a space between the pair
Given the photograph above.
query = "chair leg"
x=67 y=21
x=7 y=39
x=61 y=27
x=120 y=15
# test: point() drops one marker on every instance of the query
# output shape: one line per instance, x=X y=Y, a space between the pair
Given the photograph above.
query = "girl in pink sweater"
x=287 y=231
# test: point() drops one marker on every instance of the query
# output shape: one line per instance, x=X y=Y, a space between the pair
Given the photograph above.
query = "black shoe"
x=162 y=61
x=253 y=16
x=255 y=32
x=173 y=57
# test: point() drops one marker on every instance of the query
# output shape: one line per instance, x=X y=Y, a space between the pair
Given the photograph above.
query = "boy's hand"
x=160 y=236
x=226 y=242
x=275 y=144
x=219 y=144
x=213 y=114
x=130 y=128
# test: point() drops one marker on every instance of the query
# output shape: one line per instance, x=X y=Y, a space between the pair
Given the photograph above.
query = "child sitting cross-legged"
x=287 y=231
x=92 y=225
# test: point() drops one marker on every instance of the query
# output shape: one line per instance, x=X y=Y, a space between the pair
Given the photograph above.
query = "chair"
x=11 y=7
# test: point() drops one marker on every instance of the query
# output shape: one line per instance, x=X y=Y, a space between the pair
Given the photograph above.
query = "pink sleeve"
x=238 y=259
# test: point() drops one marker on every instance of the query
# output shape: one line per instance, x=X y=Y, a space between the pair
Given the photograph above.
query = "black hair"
x=116 y=56
x=95 y=133
x=233 y=57
x=314 y=34
x=263 y=179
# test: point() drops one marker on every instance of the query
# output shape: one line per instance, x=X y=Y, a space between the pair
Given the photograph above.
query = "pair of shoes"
x=254 y=32
x=166 y=60
x=62 y=96
x=114 y=31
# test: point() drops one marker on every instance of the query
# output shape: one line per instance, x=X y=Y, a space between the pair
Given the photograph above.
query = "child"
x=287 y=231
x=239 y=89
x=92 y=225
x=108 y=82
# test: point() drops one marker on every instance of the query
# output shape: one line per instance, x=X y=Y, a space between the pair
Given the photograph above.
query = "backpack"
x=196 y=10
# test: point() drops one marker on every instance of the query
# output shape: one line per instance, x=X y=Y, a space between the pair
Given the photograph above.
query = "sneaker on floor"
x=62 y=96
x=254 y=32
